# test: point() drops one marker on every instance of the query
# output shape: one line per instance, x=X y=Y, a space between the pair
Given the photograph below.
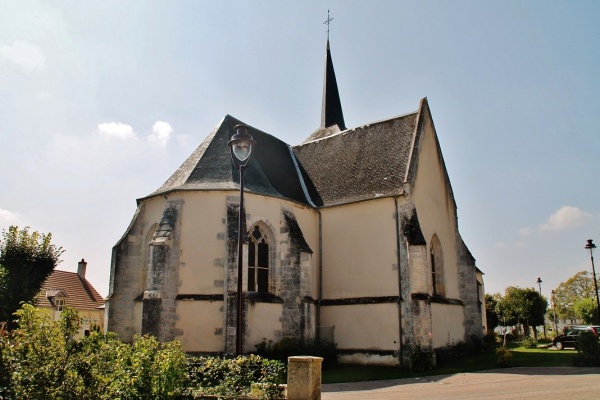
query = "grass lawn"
x=521 y=358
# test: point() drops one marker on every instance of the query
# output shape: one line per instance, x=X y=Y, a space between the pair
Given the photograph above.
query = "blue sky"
x=101 y=101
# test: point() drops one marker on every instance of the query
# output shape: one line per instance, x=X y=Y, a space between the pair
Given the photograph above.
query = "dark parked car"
x=569 y=338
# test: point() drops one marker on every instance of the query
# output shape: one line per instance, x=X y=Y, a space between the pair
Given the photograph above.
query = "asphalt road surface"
x=512 y=383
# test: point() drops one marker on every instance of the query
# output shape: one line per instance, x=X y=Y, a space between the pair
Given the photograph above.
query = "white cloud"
x=8 y=217
x=525 y=231
x=161 y=133
x=43 y=96
x=117 y=130
x=566 y=217
x=23 y=54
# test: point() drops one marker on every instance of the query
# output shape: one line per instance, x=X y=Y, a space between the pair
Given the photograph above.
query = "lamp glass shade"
x=242 y=149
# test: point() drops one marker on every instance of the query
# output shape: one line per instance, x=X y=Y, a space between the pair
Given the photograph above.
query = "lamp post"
x=554 y=308
x=241 y=146
x=591 y=246
x=539 y=282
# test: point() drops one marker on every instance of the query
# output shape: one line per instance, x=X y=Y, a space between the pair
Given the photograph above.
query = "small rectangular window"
x=60 y=304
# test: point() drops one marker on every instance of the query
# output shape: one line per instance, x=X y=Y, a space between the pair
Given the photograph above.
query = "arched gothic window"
x=258 y=261
x=437 y=266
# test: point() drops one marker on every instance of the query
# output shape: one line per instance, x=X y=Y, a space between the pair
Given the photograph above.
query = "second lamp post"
x=591 y=247
x=241 y=146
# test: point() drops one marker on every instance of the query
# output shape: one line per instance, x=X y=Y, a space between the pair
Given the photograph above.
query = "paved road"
x=512 y=383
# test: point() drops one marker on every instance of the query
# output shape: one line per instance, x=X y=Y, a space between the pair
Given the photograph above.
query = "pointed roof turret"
x=332 y=117
x=331 y=109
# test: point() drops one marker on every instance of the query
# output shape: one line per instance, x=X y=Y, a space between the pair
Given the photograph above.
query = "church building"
x=350 y=236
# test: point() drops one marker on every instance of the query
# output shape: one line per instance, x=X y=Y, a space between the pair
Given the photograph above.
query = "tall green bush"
x=588 y=350
x=40 y=360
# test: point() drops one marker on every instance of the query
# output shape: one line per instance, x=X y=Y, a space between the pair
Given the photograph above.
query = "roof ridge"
x=348 y=130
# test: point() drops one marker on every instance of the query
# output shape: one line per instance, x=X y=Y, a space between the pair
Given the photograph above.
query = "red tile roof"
x=80 y=293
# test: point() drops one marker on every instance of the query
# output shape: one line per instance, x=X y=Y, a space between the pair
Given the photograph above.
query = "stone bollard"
x=304 y=378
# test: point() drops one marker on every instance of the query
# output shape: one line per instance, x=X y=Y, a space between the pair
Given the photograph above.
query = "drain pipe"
x=320 y=261
x=398 y=247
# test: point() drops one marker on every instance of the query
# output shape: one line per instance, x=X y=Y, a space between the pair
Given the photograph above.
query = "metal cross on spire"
x=328 y=21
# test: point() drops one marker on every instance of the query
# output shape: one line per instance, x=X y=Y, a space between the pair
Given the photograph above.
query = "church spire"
x=331 y=108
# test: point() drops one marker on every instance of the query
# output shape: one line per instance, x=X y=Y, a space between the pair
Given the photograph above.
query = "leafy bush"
x=504 y=357
x=474 y=345
x=288 y=347
x=528 y=342
x=40 y=360
x=234 y=377
x=588 y=351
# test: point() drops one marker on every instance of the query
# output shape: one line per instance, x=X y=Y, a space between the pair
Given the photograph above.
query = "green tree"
x=567 y=294
x=26 y=260
x=491 y=310
x=586 y=310
x=524 y=306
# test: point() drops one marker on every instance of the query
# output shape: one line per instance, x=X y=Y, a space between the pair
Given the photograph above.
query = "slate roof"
x=80 y=292
x=357 y=164
x=273 y=169
x=361 y=163
x=332 y=166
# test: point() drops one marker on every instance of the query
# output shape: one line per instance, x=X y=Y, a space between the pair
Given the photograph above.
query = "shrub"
x=504 y=357
x=288 y=347
x=588 y=350
x=233 y=377
x=474 y=345
x=40 y=360
x=528 y=342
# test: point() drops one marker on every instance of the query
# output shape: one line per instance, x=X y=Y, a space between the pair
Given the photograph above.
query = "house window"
x=258 y=261
x=60 y=304
x=437 y=266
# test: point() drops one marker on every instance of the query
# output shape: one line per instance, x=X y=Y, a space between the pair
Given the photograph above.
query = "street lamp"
x=539 y=282
x=591 y=246
x=554 y=308
x=241 y=146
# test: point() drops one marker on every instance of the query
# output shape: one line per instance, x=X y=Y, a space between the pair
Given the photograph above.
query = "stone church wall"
x=291 y=271
x=360 y=280
x=469 y=292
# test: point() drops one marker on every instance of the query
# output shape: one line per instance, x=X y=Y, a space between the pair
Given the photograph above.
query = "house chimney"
x=81 y=266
